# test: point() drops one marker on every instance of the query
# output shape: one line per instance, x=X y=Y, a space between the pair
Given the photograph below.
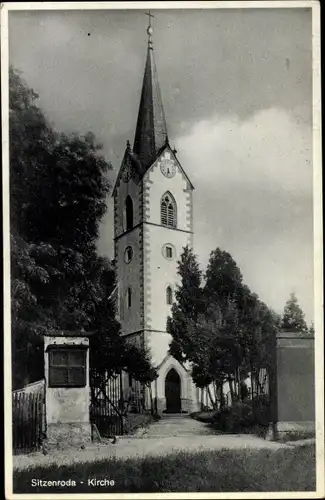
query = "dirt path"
x=170 y=434
x=178 y=425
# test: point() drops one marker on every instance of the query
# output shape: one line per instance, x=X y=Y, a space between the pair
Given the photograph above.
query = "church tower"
x=153 y=222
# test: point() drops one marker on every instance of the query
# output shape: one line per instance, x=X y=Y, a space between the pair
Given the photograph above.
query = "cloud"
x=253 y=198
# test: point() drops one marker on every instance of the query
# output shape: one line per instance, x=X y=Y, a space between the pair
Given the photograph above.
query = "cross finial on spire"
x=149 y=29
x=151 y=130
x=150 y=16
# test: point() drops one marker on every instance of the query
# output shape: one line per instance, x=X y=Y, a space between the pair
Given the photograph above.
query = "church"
x=153 y=222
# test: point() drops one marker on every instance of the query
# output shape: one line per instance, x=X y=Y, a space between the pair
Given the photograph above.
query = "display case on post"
x=67 y=391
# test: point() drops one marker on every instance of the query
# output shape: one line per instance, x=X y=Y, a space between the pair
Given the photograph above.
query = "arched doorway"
x=173 y=392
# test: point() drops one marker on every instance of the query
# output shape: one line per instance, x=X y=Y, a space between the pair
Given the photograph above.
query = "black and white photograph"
x=162 y=215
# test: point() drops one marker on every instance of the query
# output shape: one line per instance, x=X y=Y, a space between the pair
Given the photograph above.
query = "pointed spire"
x=151 y=130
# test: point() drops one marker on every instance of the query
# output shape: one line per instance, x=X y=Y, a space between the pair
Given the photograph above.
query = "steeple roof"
x=151 y=129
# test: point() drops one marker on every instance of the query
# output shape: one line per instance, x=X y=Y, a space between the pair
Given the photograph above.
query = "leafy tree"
x=258 y=328
x=311 y=330
x=58 y=192
x=222 y=291
x=109 y=351
x=220 y=327
x=30 y=140
x=138 y=364
x=204 y=321
x=185 y=310
x=293 y=317
x=224 y=280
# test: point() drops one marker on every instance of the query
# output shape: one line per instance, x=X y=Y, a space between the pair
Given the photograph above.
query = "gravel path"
x=170 y=434
x=174 y=425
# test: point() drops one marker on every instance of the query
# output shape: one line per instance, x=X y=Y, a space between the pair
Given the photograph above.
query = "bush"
x=243 y=416
x=262 y=410
x=204 y=416
x=223 y=420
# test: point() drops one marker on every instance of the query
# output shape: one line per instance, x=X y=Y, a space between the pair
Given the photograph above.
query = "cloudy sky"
x=237 y=91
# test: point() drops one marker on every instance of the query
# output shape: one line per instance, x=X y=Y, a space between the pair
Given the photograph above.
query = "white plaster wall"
x=160 y=273
x=158 y=343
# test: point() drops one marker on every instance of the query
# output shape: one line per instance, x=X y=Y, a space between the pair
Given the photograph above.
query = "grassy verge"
x=214 y=471
x=296 y=436
x=136 y=420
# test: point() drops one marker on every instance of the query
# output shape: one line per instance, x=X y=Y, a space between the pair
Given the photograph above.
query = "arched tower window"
x=169 y=295
x=129 y=297
x=168 y=216
x=129 y=212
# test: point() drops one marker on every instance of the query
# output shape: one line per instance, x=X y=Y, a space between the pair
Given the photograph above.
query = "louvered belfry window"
x=168 y=210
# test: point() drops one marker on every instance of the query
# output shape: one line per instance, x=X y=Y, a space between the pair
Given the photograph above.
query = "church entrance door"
x=173 y=392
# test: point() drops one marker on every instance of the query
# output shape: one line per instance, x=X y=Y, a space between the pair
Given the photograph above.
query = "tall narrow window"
x=169 y=295
x=129 y=212
x=169 y=252
x=129 y=297
x=168 y=210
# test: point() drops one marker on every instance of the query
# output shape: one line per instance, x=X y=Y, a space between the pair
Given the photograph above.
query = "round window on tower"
x=168 y=251
x=128 y=255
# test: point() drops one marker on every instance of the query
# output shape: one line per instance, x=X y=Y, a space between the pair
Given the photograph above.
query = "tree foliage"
x=219 y=326
x=311 y=330
x=188 y=305
x=293 y=316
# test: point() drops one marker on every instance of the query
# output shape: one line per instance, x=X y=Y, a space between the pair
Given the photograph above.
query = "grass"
x=286 y=469
x=297 y=436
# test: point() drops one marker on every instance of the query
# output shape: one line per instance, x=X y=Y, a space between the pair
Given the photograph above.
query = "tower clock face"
x=127 y=172
x=168 y=168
